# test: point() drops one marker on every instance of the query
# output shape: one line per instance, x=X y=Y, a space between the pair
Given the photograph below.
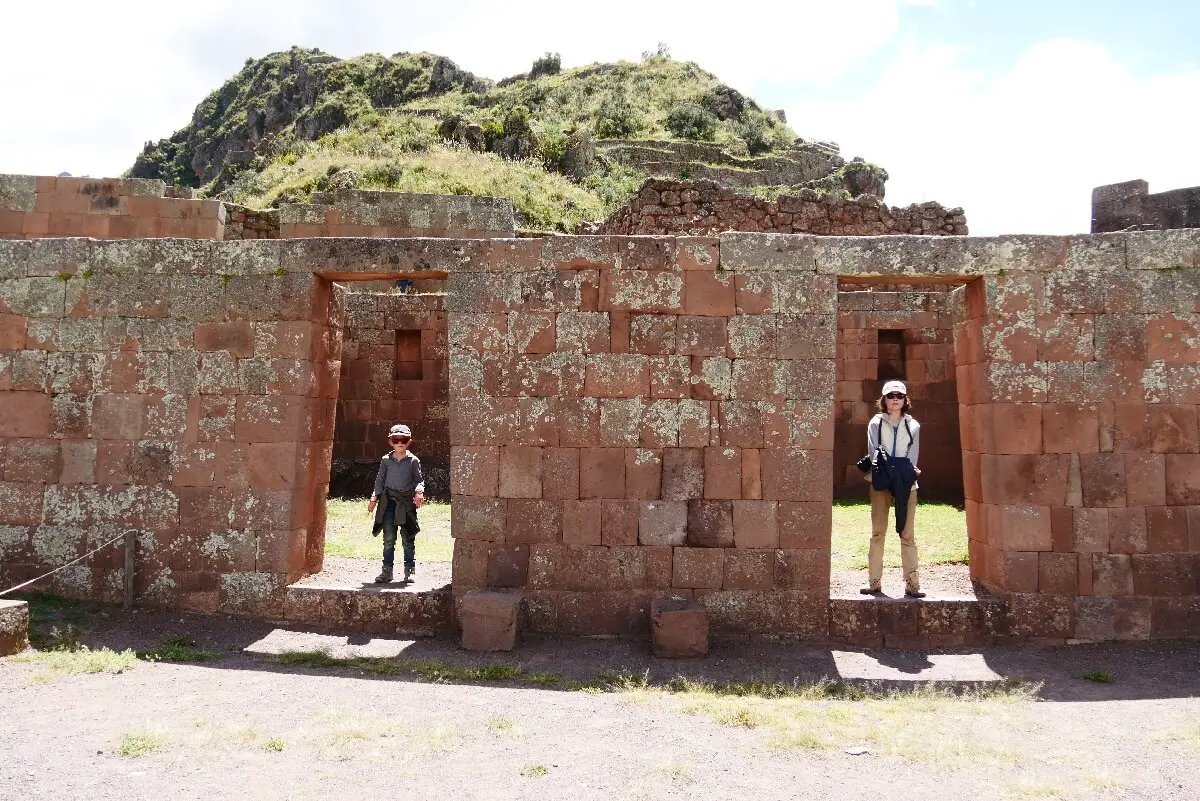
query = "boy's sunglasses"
x=398 y=440
x=894 y=396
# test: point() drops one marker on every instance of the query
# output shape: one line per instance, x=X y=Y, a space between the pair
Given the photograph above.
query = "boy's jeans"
x=408 y=526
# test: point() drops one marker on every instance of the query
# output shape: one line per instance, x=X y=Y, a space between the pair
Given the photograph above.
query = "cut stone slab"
x=489 y=620
x=678 y=628
x=14 y=627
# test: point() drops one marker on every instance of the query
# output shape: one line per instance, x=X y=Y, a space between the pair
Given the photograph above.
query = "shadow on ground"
x=1139 y=670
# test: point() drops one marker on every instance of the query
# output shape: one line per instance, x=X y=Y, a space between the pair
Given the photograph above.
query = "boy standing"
x=399 y=492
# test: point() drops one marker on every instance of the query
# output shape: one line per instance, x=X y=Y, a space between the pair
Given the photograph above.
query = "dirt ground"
x=243 y=726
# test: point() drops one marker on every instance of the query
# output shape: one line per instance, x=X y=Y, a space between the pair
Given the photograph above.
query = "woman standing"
x=894 y=443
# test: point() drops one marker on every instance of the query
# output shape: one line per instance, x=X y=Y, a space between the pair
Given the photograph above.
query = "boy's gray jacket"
x=404 y=475
x=397 y=480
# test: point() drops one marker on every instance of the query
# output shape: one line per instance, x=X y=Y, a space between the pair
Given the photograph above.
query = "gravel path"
x=339 y=571
x=344 y=733
x=937 y=581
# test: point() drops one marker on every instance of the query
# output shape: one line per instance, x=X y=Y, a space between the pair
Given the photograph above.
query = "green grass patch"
x=923 y=723
x=534 y=771
x=79 y=660
x=940 y=531
x=348 y=532
x=428 y=669
x=275 y=744
x=1099 y=676
x=141 y=743
x=178 y=649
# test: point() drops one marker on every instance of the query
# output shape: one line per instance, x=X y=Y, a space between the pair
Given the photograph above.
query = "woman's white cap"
x=894 y=386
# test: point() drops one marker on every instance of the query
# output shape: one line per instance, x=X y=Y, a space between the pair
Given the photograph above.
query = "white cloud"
x=1021 y=150
x=91 y=82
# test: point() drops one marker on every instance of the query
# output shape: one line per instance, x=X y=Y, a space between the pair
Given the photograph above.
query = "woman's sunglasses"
x=894 y=396
x=399 y=440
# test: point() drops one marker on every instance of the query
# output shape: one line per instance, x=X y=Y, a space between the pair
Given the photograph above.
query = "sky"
x=1012 y=109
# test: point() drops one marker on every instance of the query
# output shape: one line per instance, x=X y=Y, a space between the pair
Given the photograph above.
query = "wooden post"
x=130 y=542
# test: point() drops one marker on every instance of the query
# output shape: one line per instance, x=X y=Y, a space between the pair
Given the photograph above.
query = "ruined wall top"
x=1130 y=206
x=700 y=207
x=33 y=207
x=889 y=259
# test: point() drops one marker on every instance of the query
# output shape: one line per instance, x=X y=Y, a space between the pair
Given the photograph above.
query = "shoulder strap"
x=908 y=431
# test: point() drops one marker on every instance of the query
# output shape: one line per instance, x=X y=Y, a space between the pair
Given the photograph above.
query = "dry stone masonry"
x=1130 y=206
x=702 y=207
x=631 y=419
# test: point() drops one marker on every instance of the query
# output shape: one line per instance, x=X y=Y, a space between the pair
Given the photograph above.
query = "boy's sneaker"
x=385 y=576
x=410 y=573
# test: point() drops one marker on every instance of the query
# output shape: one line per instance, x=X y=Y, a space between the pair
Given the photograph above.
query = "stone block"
x=602 y=473
x=1020 y=571
x=683 y=474
x=520 y=472
x=1145 y=479
x=1058 y=573
x=722 y=473
x=678 y=628
x=1112 y=575
x=617 y=375
x=581 y=522
x=474 y=470
x=619 y=522
x=805 y=525
x=14 y=627
x=804 y=570
x=794 y=474
x=1167 y=529
x=701 y=336
x=1102 y=478
x=477 y=518
x=490 y=621
x=708 y=293
x=710 y=524
x=698 y=568
x=643 y=474
x=1183 y=479
x=662 y=523
x=755 y=524
x=530 y=520
x=1070 y=428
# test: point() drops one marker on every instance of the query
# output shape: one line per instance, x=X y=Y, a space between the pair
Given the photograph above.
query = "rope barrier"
x=68 y=564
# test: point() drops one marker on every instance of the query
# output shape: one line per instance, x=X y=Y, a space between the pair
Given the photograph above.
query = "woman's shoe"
x=913 y=594
x=871 y=591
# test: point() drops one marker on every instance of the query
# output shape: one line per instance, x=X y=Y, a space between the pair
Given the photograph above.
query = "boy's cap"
x=894 y=386
x=400 y=431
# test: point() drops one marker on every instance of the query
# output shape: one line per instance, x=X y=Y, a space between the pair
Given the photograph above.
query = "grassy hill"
x=301 y=121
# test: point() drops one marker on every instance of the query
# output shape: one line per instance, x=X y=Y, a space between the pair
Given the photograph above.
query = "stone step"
x=930 y=622
x=392 y=609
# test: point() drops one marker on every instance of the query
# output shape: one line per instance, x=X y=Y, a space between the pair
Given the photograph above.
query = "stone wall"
x=395 y=369
x=246 y=223
x=106 y=208
x=1129 y=205
x=137 y=208
x=702 y=160
x=395 y=214
x=629 y=422
x=183 y=390
x=629 y=417
x=906 y=333
x=702 y=207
